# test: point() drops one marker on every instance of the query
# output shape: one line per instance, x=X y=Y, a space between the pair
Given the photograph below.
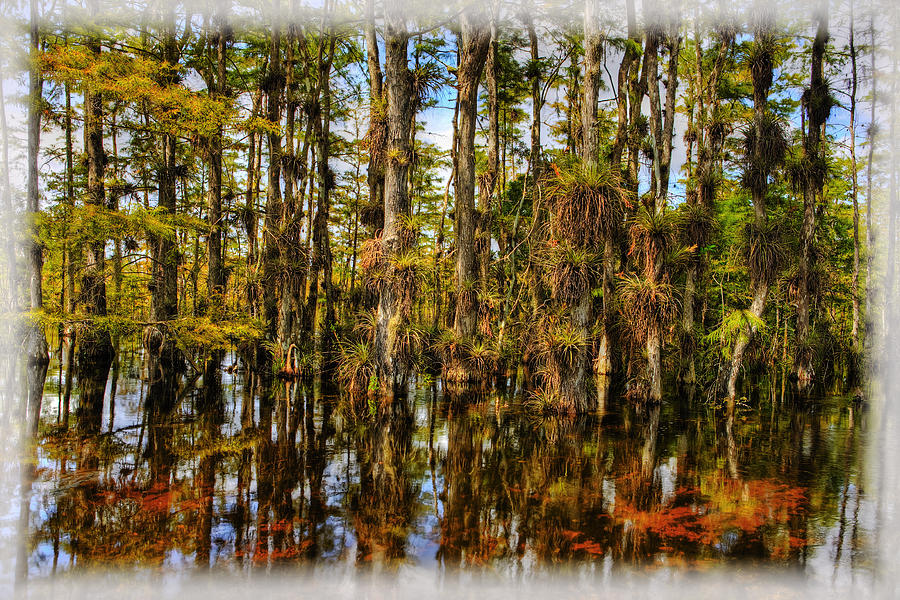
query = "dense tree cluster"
x=630 y=195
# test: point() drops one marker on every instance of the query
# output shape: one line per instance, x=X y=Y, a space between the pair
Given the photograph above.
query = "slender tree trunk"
x=375 y=174
x=216 y=281
x=95 y=351
x=489 y=178
x=321 y=235
x=759 y=175
x=393 y=307
x=36 y=346
x=250 y=220
x=582 y=315
x=74 y=256
x=164 y=284
x=709 y=149
x=870 y=227
x=473 y=48
x=273 y=271
x=817 y=112
x=628 y=59
x=854 y=191
x=534 y=279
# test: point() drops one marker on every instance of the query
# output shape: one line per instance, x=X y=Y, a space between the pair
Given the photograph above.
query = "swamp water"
x=226 y=476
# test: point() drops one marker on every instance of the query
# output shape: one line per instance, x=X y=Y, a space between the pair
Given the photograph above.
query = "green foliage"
x=356 y=370
x=737 y=325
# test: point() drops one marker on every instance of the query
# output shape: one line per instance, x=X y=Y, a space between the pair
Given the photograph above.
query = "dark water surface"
x=235 y=477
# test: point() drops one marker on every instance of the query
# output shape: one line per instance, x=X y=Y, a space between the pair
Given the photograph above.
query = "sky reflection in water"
x=237 y=478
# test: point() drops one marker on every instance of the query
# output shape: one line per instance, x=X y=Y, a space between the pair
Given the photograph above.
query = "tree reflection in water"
x=238 y=473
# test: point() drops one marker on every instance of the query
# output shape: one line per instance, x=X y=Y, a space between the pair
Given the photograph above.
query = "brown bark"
x=250 y=219
x=473 y=47
x=854 y=190
x=95 y=351
x=216 y=281
x=759 y=282
x=534 y=279
x=582 y=314
x=393 y=314
x=817 y=114
x=273 y=273
x=631 y=55
x=375 y=175
x=870 y=228
x=709 y=150
x=490 y=176
x=36 y=344
x=321 y=237
x=164 y=293
x=72 y=257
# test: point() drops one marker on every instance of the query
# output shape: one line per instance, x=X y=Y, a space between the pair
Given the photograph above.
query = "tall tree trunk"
x=817 y=111
x=870 y=227
x=74 y=258
x=582 y=313
x=12 y=277
x=534 y=279
x=758 y=176
x=273 y=269
x=854 y=192
x=216 y=281
x=628 y=59
x=394 y=302
x=321 y=238
x=710 y=141
x=603 y=361
x=489 y=178
x=375 y=174
x=250 y=218
x=473 y=47
x=164 y=285
x=36 y=346
x=95 y=351
x=661 y=132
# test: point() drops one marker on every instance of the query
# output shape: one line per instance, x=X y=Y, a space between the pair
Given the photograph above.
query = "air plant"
x=355 y=367
x=542 y=401
x=806 y=172
x=371 y=214
x=427 y=79
x=373 y=265
x=366 y=324
x=760 y=57
x=407 y=272
x=407 y=341
x=570 y=271
x=481 y=359
x=720 y=125
x=647 y=304
x=763 y=250
x=696 y=225
x=652 y=234
x=410 y=226
x=467 y=297
x=375 y=140
x=489 y=303
x=561 y=345
x=765 y=147
x=586 y=202
x=819 y=101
